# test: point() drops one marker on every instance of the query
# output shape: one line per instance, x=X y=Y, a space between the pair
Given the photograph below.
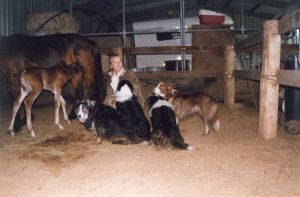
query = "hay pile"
x=63 y=23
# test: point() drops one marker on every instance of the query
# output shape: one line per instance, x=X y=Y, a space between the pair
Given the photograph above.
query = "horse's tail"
x=98 y=76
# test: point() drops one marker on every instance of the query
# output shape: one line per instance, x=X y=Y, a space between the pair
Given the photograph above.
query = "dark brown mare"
x=18 y=51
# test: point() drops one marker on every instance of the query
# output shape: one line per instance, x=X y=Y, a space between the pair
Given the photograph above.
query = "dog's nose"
x=78 y=116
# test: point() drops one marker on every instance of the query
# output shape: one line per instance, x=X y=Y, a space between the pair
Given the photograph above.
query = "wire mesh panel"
x=124 y=23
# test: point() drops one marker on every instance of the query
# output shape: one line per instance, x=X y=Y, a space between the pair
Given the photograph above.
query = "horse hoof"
x=11 y=132
x=60 y=126
x=32 y=134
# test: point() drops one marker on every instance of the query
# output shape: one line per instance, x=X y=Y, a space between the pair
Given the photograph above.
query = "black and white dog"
x=128 y=105
x=165 y=131
x=106 y=122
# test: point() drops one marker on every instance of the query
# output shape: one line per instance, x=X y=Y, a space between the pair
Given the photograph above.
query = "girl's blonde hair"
x=114 y=56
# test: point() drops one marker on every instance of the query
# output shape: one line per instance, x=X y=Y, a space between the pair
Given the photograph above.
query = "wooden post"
x=269 y=87
x=229 y=80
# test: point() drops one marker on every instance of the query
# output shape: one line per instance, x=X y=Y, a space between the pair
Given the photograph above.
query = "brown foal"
x=34 y=80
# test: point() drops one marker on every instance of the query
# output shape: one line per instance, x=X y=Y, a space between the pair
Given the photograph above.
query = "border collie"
x=106 y=122
x=186 y=105
x=128 y=105
x=165 y=131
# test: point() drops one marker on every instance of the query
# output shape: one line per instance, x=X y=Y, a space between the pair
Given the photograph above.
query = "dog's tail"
x=213 y=117
x=182 y=145
x=177 y=141
x=216 y=125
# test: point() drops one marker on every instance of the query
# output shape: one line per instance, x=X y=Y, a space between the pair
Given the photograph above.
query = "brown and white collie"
x=189 y=104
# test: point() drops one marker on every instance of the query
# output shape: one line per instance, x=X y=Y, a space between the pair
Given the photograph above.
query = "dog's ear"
x=172 y=85
x=77 y=102
x=148 y=98
x=91 y=103
x=169 y=86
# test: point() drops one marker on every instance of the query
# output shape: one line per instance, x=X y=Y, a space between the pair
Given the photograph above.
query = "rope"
x=228 y=74
x=269 y=77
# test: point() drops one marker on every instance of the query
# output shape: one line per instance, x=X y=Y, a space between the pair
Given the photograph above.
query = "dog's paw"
x=145 y=143
x=190 y=148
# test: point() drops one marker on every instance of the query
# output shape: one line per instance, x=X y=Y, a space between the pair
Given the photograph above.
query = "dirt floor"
x=234 y=162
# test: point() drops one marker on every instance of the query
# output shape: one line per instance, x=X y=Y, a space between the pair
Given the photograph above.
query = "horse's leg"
x=79 y=93
x=57 y=96
x=63 y=105
x=16 y=107
x=18 y=122
x=28 y=106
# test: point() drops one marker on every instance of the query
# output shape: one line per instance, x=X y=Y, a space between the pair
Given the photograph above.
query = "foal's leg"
x=16 y=107
x=63 y=105
x=57 y=94
x=28 y=106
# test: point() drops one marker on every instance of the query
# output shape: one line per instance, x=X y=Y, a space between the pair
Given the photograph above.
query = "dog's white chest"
x=160 y=103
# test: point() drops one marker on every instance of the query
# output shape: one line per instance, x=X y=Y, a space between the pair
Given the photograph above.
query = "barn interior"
x=243 y=53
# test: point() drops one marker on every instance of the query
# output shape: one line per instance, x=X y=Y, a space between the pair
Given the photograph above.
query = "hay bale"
x=63 y=23
x=114 y=42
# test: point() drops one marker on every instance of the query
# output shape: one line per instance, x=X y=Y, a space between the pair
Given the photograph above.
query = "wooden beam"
x=269 y=88
x=285 y=48
x=165 y=50
x=287 y=23
x=177 y=74
x=160 y=50
x=285 y=77
x=229 y=80
x=172 y=49
x=289 y=78
x=248 y=74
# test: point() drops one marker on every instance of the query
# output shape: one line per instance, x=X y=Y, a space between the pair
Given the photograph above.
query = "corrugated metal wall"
x=248 y=22
x=13 y=12
x=6 y=17
x=37 y=6
x=12 y=17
